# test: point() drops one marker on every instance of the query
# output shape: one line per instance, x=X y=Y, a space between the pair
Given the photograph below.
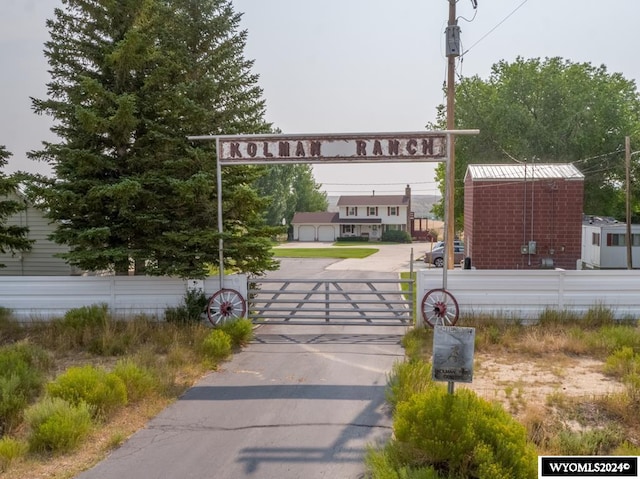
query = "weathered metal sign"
x=382 y=147
x=453 y=349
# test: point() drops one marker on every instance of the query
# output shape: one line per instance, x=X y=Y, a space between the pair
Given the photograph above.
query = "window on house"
x=635 y=239
x=616 y=239
x=595 y=239
x=347 y=229
x=393 y=211
x=372 y=211
x=352 y=211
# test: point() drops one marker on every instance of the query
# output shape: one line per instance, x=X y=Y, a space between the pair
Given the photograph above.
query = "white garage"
x=326 y=233
x=320 y=226
x=306 y=233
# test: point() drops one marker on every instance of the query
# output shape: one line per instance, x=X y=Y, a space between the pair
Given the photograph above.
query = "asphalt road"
x=298 y=402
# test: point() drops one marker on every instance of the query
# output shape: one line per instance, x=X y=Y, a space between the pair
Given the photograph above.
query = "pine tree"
x=13 y=238
x=131 y=79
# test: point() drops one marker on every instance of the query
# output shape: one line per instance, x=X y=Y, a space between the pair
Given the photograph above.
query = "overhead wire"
x=494 y=28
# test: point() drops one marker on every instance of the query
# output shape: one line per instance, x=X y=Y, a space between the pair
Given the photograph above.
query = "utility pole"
x=627 y=157
x=453 y=51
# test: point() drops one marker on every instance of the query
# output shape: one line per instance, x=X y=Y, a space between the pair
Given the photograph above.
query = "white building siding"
x=40 y=261
x=605 y=256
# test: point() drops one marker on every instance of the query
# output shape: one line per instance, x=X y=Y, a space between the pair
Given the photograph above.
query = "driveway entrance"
x=337 y=301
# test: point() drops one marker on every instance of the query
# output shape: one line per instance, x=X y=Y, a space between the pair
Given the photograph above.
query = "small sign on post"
x=453 y=349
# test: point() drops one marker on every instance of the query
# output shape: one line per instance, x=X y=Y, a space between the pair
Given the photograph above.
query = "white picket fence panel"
x=524 y=294
x=40 y=298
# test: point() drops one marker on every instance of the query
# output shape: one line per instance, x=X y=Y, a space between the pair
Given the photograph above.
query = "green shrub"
x=622 y=363
x=11 y=450
x=240 y=331
x=138 y=380
x=395 y=236
x=598 y=315
x=79 y=327
x=462 y=435
x=611 y=338
x=406 y=379
x=194 y=304
x=22 y=378
x=56 y=425
x=555 y=317
x=217 y=345
x=353 y=239
x=94 y=316
x=104 y=392
x=587 y=443
x=384 y=464
x=418 y=343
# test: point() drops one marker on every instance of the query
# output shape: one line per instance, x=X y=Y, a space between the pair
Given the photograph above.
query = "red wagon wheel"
x=226 y=305
x=439 y=308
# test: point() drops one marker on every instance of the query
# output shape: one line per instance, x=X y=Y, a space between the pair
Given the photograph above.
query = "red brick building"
x=523 y=216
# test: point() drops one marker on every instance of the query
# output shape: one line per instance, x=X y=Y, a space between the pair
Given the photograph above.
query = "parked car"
x=436 y=255
x=440 y=244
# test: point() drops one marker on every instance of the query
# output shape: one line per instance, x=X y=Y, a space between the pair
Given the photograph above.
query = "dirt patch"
x=516 y=381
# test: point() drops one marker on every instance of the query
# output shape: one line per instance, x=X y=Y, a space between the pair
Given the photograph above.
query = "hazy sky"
x=332 y=66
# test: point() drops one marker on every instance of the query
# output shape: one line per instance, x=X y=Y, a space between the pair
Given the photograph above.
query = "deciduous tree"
x=550 y=110
x=290 y=188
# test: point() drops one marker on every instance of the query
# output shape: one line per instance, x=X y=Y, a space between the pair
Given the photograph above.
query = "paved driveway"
x=391 y=258
x=298 y=402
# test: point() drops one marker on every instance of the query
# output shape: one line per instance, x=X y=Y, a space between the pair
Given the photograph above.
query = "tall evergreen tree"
x=13 y=238
x=131 y=79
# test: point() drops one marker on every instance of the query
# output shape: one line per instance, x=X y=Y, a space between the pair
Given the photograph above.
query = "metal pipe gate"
x=372 y=302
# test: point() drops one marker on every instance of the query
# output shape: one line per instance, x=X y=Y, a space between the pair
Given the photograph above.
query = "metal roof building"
x=524 y=171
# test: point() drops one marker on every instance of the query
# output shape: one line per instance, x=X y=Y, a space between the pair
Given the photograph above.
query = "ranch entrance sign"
x=423 y=146
x=397 y=147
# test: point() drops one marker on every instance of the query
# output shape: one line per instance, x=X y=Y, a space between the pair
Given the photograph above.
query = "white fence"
x=521 y=294
x=40 y=298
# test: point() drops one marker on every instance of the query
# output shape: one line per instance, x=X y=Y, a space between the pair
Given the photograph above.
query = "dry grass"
x=551 y=376
x=171 y=351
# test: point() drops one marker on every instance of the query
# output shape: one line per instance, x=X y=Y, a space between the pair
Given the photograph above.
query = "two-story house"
x=362 y=216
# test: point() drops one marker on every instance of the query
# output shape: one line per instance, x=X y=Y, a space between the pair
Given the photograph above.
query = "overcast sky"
x=333 y=66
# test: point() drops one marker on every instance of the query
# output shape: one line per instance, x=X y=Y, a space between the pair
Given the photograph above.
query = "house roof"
x=330 y=218
x=318 y=217
x=359 y=221
x=524 y=171
x=373 y=200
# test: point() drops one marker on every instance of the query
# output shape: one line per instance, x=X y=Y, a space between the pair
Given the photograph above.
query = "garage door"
x=326 y=233
x=306 y=233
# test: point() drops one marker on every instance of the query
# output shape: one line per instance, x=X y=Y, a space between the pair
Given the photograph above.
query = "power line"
x=494 y=28
x=382 y=184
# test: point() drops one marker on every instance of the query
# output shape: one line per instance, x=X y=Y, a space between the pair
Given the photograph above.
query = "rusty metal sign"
x=453 y=349
x=342 y=148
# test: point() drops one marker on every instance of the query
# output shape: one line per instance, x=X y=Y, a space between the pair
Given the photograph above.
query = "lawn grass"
x=358 y=243
x=341 y=253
